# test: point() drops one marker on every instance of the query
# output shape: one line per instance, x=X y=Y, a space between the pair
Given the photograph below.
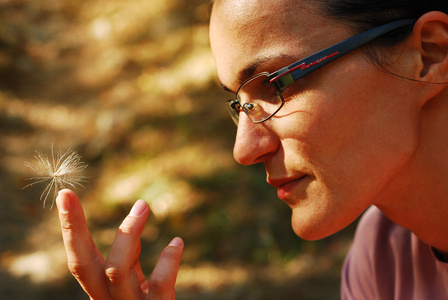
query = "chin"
x=309 y=235
x=312 y=228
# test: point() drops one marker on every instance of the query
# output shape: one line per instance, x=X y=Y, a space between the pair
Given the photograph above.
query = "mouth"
x=286 y=187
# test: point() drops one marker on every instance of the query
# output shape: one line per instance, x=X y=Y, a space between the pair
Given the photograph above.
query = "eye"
x=250 y=106
x=252 y=109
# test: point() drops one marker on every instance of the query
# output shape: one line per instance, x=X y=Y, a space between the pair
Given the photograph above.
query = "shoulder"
x=376 y=235
x=370 y=265
x=387 y=261
x=374 y=227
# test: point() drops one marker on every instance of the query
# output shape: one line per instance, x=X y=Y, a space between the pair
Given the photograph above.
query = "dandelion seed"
x=60 y=172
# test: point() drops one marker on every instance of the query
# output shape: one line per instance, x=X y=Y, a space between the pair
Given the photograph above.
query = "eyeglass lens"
x=258 y=98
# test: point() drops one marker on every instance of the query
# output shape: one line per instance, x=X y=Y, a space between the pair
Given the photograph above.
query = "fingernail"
x=176 y=242
x=63 y=206
x=138 y=209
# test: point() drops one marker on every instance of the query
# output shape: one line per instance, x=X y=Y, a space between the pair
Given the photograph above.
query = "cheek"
x=362 y=129
x=355 y=142
x=365 y=142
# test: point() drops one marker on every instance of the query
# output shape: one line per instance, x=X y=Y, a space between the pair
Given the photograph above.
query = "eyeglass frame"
x=297 y=70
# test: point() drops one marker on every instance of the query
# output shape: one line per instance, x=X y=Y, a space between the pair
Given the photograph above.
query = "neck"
x=418 y=199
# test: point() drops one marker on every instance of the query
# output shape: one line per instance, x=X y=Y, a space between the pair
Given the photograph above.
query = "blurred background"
x=131 y=86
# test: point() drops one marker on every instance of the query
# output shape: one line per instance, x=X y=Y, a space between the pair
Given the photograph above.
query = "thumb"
x=163 y=278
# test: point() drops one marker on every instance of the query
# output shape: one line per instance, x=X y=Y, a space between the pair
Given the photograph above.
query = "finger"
x=144 y=285
x=163 y=278
x=123 y=280
x=141 y=276
x=84 y=260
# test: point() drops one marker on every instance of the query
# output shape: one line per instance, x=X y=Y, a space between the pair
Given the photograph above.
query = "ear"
x=430 y=37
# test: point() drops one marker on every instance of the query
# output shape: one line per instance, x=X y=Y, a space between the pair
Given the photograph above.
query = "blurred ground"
x=131 y=86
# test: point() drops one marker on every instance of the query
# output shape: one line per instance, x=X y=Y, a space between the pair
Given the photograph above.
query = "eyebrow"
x=250 y=70
x=226 y=89
x=245 y=73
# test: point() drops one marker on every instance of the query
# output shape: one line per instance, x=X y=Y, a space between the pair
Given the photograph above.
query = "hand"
x=119 y=276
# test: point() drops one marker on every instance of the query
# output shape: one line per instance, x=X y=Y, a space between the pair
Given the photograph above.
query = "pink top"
x=387 y=261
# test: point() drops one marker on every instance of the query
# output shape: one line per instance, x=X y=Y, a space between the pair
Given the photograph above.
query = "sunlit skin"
x=352 y=135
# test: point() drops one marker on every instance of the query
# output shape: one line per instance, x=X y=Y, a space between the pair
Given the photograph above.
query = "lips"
x=287 y=187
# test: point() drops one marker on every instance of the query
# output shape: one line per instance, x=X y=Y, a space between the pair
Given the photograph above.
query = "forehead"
x=247 y=34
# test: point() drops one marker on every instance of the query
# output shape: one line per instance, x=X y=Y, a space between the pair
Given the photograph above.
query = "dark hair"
x=362 y=15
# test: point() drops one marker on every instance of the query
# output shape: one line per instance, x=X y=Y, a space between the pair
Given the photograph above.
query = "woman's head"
x=346 y=131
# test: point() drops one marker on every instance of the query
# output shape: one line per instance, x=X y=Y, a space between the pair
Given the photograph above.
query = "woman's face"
x=346 y=131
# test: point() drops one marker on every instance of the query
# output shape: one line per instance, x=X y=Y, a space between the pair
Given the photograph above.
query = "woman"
x=359 y=125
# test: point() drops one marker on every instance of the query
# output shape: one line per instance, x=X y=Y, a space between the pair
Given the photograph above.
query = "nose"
x=254 y=142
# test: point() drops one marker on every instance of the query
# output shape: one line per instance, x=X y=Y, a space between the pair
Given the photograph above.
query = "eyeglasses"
x=260 y=97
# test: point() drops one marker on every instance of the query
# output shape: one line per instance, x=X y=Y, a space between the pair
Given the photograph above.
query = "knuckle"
x=78 y=270
x=127 y=226
x=66 y=224
x=115 y=275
